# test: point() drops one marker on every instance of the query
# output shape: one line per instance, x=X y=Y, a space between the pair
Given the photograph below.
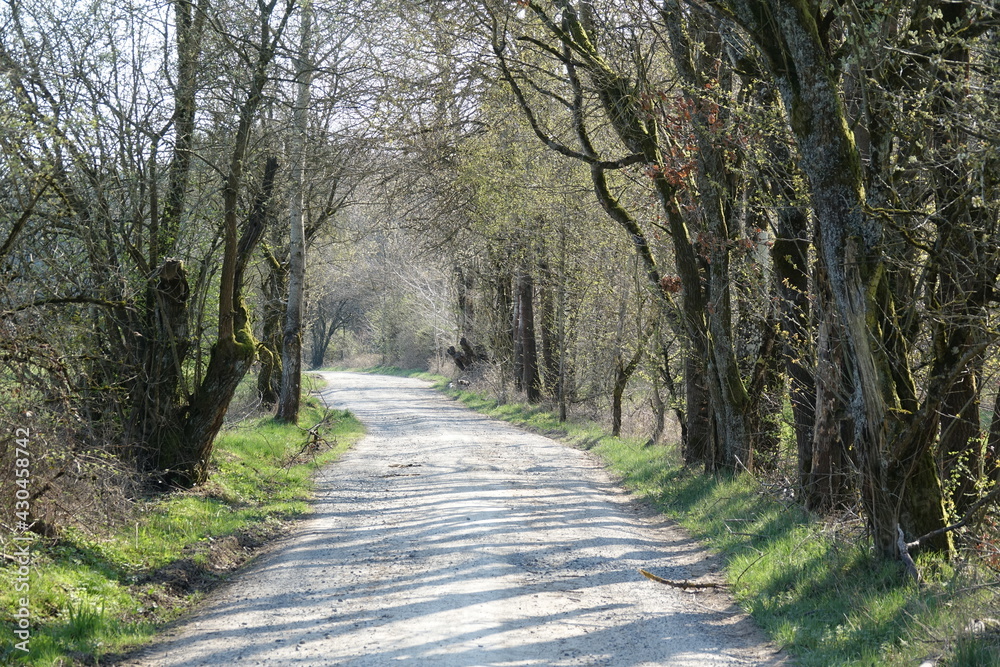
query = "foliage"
x=672 y=215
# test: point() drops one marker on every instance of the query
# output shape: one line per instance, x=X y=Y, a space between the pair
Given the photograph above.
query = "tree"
x=893 y=430
x=291 y=348
x=632 y=105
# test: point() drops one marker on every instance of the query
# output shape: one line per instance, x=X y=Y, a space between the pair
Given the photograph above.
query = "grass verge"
x=812 y=585
x=97 y=592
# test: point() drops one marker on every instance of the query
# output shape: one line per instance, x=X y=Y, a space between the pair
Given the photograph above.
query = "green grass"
x=101 y=592
x=814 y=588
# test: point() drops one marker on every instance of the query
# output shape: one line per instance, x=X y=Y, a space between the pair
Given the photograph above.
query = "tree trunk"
x=962 y=454
x=466 y=307
x=324 y=326
x=617 y=391
x=823 y=466
x=190 y=21
x=623 y=373
x=166 y=318
x=790 y=257
x=229 y=361
x=517 y=338
x=962 y=269
x=667 y=377
x=659 y=413
x=717 y=187
x=700 y=442
x=766 y=390
x=550 y=344
x=163 y=372
x=563 y=371
x=272 y=312
x=291 y=347
x=530 y=380
x=321 y=338
x=186 y=460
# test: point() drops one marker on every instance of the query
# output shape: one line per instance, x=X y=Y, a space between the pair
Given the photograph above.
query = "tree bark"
x=716 y=190
x=163 y=370
x=550 y=344
x=659 y=412
x=190 y=21
x=165 y=320
x=517 y=337
x=766 y=390
x=790 y=259
x=823 y=468
x=700 y=441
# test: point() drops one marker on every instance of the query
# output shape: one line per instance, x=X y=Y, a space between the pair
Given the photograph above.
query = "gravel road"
x=445 y=538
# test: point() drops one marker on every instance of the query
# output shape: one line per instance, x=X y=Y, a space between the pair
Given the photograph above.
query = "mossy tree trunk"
x=166 y=342
x=717 y=183
x=823 y=469
x=900 y=489
x=187 y=461
x=272 y=312
x=165 y=356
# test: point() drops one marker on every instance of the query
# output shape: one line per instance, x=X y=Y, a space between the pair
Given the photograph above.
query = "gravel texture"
x=449 y=539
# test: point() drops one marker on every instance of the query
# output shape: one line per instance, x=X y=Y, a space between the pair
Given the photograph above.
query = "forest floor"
x=448 y=538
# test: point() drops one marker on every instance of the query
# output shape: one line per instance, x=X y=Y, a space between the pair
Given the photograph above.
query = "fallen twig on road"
x=686 y=585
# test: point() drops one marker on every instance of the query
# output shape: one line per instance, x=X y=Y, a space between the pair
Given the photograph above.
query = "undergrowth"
x=98 y=591
x=811 y=583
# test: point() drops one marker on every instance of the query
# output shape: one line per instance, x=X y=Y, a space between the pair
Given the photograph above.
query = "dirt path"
x=445 y=538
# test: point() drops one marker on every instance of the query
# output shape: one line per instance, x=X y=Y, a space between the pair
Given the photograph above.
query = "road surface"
x=445 y=538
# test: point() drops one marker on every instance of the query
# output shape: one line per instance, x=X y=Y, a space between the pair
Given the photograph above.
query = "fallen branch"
x=904 y=555
x=45 y=487
x=973 y=509
x=684 y=585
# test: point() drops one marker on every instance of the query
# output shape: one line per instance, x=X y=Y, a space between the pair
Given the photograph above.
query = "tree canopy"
x=765 y=232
